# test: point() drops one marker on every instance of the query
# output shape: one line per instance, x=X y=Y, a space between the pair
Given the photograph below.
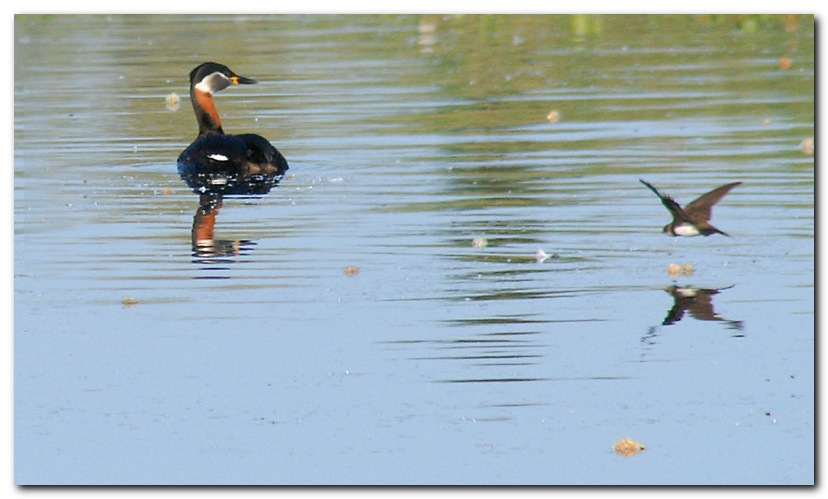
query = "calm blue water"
x=140 y=361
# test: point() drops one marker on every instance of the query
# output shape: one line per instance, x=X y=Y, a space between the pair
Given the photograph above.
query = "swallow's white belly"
x=686 y=230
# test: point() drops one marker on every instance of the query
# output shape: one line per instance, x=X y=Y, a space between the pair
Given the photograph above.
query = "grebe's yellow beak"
x=241 y=80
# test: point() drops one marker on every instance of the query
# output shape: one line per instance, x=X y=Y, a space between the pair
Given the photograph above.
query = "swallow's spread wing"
x=702 y=207
x=675 y=209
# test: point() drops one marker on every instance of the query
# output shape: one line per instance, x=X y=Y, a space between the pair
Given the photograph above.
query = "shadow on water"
x=697 y=301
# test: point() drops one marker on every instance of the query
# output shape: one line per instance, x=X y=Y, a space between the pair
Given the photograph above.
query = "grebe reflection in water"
x=206 y=248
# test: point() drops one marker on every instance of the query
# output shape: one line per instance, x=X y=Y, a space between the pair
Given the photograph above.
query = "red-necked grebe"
x=223 y=163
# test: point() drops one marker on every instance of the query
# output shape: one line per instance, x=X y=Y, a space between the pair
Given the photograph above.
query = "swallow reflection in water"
x=694 y=219
x=699 y=302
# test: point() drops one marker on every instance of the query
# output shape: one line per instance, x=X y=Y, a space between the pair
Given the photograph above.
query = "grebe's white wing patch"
x=217 y=157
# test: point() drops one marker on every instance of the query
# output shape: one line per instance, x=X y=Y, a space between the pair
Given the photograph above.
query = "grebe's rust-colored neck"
x=206 y=113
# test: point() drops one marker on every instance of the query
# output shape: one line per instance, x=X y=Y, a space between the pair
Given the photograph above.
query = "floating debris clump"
x=173 y=101
x=351 y=270
x=627 y=448
x=480 y=242
x=675 y=269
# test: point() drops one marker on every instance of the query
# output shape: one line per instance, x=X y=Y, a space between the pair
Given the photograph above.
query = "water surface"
x=382 y=316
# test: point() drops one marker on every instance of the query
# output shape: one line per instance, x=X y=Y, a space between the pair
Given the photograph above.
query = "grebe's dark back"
x=222 y=163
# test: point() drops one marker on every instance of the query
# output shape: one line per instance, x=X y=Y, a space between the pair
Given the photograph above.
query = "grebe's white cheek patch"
x=217 y=157
x=213 y=82
x=202 y=86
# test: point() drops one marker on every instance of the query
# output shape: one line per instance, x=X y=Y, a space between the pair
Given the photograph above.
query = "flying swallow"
x=695 y=218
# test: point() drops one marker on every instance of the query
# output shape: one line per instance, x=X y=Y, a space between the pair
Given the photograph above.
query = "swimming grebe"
x=694 y=219
x=222 y=163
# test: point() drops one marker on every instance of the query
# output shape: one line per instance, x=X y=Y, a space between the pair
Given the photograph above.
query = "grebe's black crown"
x=202 y=71
x=208 y=68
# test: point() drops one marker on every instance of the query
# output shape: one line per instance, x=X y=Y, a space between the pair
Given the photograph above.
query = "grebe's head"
x=211 y=77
